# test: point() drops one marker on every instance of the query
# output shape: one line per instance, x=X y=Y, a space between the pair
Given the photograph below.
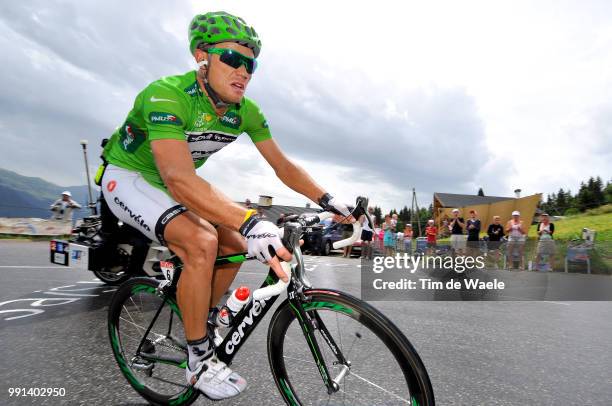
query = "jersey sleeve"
x=256 y=125
x=165 y=111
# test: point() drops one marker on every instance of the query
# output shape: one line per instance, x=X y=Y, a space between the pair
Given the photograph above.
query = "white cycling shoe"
x=215 y=379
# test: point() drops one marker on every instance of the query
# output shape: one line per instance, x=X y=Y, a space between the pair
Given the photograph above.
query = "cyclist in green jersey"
x=150 y=182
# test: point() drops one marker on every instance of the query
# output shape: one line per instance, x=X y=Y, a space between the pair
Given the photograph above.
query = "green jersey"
x=175 y=107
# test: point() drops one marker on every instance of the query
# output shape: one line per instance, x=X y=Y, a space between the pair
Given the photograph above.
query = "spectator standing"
x=495 y=233
x=408 y=233
x=280 y=220
x=389 y=236
x=366 y=235
x=516 y=239
x=347 y=232
x=431 y=232
x=457 y=239
x=62 y=207
x=473 y=233
x=546 y=244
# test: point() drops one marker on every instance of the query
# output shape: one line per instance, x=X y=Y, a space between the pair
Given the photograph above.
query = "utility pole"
x=414 y=211
x=91 y=204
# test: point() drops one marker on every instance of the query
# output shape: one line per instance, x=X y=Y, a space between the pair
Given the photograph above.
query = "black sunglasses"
x=234 y=59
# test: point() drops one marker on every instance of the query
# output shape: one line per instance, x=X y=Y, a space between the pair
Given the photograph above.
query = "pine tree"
x=608 y=192
x=598 y=192
x=561 y=202
x=553 y=204
x=584 y=198
x=480 y=192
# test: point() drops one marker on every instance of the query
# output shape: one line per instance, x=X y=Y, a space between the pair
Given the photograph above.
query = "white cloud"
x=385 y=96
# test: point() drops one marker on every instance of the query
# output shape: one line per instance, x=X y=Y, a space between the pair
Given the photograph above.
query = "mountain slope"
x=25 y=196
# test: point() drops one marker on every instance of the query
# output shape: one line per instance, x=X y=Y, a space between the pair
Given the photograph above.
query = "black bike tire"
x=189 y=395
x=112 y=282
x=413 y=368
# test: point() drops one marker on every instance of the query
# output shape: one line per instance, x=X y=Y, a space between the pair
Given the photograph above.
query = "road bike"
x=324 y=346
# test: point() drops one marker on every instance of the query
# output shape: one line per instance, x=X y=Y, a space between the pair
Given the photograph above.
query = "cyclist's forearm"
x=295 y=177
x=206 y=201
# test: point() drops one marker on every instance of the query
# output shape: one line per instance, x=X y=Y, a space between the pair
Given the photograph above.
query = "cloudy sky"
x=371 y=98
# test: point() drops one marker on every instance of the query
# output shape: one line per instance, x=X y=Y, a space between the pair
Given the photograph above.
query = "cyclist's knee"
x=201 y=250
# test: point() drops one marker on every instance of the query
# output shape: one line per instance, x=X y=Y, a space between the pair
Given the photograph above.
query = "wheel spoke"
x=133 y=323
x=379 y=387
x=367 y=346
x=134 y=318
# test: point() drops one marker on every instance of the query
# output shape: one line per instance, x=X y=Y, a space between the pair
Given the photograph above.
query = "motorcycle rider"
x=150 y=180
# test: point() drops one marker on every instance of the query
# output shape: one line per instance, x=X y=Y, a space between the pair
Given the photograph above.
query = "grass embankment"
x=599 y=219
x=570 y=228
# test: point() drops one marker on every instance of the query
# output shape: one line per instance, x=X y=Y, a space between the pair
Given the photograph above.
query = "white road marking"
x=35 y=267
x=559 y=303
x=68 y=294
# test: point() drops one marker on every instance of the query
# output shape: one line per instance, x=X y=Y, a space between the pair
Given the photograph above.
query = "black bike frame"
x=253 y=312
x=245 y=322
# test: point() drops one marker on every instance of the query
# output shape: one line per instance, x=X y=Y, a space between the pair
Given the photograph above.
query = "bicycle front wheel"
x=147 y=338
x=379 y=367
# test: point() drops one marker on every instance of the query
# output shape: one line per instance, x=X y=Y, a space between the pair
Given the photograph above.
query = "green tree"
x=598 y=191
x=608 y=192
x=561 y=201
x=480 y=192
x=584 y=198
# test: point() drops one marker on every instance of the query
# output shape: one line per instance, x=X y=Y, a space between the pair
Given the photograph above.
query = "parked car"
x=319 y=240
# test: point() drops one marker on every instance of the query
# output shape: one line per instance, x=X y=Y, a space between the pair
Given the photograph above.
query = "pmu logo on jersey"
x=130 y=137
x=192 y=90
x=164 y=118
x=231 y=120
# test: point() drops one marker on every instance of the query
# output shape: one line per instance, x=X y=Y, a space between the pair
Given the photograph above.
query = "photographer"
x=62 y=208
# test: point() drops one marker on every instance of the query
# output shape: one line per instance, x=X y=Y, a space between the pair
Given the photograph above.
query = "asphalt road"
x=53 y=334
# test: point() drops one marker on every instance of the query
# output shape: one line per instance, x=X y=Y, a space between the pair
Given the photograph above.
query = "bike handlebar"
x=294 y=224
x=277 y=288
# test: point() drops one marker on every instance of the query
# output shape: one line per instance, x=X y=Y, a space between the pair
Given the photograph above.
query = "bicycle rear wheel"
x=383 y=367
x=147 y=338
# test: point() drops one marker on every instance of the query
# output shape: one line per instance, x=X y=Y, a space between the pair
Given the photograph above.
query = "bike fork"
x=309 y=325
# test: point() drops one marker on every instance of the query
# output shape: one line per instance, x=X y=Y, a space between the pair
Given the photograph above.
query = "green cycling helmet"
x=219 y=26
